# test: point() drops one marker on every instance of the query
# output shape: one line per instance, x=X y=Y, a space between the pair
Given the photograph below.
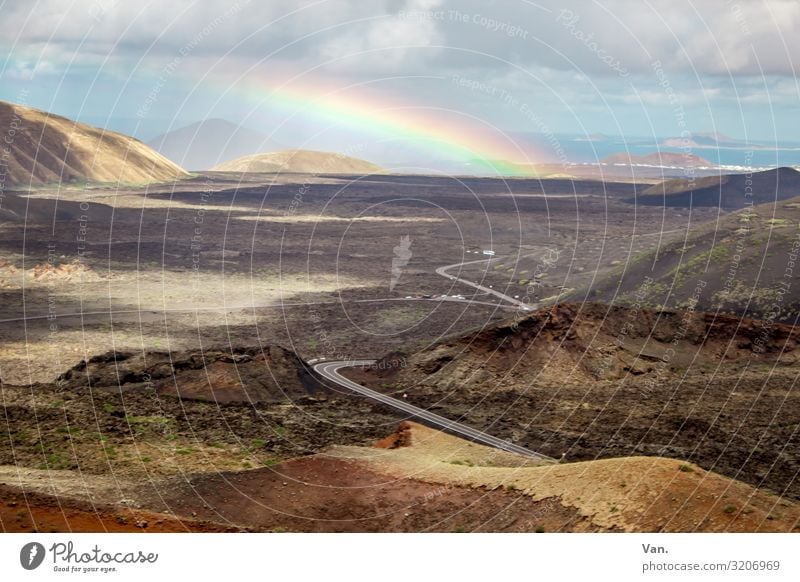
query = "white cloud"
x=733 y=36
x=385 y=42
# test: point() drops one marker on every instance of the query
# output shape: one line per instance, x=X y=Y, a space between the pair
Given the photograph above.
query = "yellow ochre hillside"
x=41 y=148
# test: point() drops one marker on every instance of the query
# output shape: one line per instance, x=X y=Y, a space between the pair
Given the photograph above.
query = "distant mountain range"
x=713 y=140
x=205 y=144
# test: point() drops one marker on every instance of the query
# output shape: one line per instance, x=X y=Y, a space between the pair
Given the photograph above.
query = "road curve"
x=443 y=272
x=330 y=371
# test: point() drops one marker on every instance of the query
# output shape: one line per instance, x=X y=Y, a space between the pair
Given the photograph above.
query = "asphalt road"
x=330 y=371
x=443 y=271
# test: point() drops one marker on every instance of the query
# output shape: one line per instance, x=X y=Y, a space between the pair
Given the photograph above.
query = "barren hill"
x=739 y=264
x=622 y=494
x=728 y=192
x=437 y=482
x=201 y=145
x=299 y=161
x=265 y=374
x=46 y=148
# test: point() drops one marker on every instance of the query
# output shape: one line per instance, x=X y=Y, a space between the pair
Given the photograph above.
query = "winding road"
x=443 y=272
x=330 y=371
x=513 y=304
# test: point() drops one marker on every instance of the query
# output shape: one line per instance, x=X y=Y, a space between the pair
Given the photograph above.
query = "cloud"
x=27 y=70
x=718 y=38
x=692 y=37
x=386 y=42
x=566 y=58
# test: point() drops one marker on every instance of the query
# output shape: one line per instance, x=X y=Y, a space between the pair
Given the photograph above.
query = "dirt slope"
x=592 y=381
x=740 y=264
x=47 y=148
x=332 y=493
x=630 y=494
x=25 y=511
x=430 y=482
x=299 y=161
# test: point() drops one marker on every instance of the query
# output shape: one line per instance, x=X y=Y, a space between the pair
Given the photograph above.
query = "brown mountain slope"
x=729 y=193
x=437 y=482
x=595 y=341
x=45 y=148
x=592 y=381
x=432 y=482
x=629 y=494
x=299 y=161
x=265 y=374
x=742 y=263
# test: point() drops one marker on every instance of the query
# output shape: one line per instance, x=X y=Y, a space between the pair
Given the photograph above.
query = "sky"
x=340 y=74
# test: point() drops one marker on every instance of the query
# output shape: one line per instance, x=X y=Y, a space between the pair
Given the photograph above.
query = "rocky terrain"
x=158 y=413
x=415 y=480
x=263 y=374
x=595 y=381
x=146 y=363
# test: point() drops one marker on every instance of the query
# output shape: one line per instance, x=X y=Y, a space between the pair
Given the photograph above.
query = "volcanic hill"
x=43 y=148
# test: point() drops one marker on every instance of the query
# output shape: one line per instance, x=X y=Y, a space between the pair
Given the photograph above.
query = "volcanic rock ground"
x=589 y=381
x=205 y=381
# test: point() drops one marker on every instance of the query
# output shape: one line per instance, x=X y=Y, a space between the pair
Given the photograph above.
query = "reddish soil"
x=22 y=511
x=323 y=494
x=400 y=438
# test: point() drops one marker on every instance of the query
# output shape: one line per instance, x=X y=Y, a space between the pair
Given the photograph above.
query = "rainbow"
x=439 y=131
